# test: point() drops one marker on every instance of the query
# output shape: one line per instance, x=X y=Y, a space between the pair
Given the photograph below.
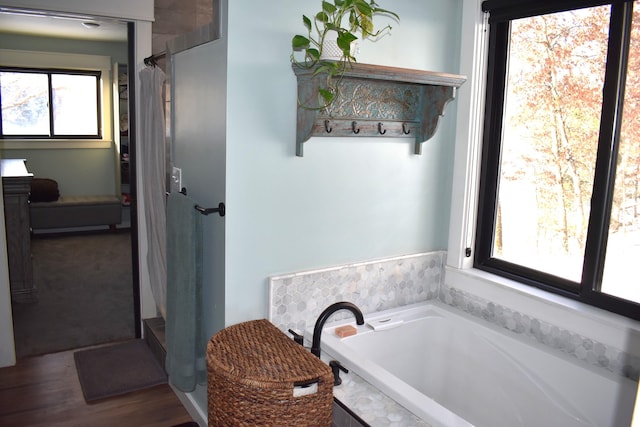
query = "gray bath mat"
x=117 y=369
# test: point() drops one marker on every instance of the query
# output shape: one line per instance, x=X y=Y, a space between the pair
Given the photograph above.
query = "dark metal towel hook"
x=326 y=126
x=380 y=131
x=405 y=129
x=353 y=127
x=206 y=211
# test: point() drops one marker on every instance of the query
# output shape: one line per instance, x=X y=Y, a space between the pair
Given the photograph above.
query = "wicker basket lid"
x=257 y=352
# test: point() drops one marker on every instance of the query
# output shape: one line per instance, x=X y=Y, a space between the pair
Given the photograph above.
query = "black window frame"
x=57 y=71
x=501 y=12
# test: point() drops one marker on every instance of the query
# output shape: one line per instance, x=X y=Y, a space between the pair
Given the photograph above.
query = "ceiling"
x=69 y=27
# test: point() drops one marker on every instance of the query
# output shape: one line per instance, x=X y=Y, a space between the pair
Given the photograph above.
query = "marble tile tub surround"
x=584 y=348
x=296 y=300
x=374 y=408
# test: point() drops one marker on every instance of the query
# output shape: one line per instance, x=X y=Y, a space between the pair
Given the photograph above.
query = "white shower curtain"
x=152 y=159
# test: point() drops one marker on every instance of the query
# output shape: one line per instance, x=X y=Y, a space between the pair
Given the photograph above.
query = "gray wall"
x=117 y=50
x=79 y=171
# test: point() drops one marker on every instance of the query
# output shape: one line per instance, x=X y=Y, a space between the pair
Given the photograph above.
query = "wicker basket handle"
x=305 y=388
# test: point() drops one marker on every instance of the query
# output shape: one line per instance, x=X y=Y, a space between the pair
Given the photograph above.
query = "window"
x=41 y=104
x=560 y=180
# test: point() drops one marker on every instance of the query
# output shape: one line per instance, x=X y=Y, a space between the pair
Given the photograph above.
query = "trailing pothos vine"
x=347 y=18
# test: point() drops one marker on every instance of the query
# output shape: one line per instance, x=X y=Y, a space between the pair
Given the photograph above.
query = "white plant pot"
x=330 y=49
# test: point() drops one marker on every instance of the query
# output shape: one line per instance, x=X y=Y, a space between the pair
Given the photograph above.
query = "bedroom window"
x=49 y=104
x=560 y=182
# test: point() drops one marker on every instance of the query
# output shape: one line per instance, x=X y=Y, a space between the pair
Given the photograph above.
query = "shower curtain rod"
x=151 y=60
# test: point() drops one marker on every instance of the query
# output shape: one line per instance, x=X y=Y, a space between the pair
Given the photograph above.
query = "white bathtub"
x=453 y=370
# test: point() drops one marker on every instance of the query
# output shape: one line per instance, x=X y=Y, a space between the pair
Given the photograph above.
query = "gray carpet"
x=117 y=369
x=85 y=297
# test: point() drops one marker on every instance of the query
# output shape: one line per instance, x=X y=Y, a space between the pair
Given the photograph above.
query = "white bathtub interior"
x=455 y=370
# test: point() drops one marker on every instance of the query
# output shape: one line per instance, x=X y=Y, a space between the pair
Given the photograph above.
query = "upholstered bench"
x=76 y=211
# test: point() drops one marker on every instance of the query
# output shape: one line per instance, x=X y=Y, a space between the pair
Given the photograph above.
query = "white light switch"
x=176 y=179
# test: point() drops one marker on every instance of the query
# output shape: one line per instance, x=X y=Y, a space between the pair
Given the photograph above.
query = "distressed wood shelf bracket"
x=375 y=101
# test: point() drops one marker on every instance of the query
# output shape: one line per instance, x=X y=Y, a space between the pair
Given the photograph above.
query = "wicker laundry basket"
x=257 y=376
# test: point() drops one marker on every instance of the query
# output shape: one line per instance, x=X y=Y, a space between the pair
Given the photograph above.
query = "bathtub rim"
x=437 y=414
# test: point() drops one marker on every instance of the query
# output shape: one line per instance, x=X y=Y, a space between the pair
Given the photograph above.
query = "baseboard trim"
x=191 y=406
x=155 y=338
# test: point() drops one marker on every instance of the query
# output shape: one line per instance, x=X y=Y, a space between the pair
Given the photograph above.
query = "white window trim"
x=469 y=126
x=69 y=61
x=600 y=324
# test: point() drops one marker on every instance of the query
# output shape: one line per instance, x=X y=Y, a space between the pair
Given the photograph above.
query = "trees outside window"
x=560 y=180
x=49 y=104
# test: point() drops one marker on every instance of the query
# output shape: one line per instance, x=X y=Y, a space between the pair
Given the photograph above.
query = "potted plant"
x=341 y=22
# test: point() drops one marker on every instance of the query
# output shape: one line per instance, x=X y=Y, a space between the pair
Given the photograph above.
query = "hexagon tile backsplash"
x=296 y=300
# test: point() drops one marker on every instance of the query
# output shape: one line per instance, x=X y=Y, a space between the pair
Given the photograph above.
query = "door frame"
x=139 y=18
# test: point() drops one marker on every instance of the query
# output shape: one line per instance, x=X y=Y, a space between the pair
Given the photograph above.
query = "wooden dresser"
x=16 y=184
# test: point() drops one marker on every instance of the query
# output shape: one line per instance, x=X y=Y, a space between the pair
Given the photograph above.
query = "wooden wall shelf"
x=375 y=101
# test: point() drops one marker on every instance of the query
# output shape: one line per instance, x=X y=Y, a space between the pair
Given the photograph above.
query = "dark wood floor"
x=44 y=391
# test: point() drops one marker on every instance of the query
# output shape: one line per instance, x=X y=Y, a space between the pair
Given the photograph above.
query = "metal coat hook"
x=326 y=126
x=380 y=131
x=353 y=127
x=405 y=130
